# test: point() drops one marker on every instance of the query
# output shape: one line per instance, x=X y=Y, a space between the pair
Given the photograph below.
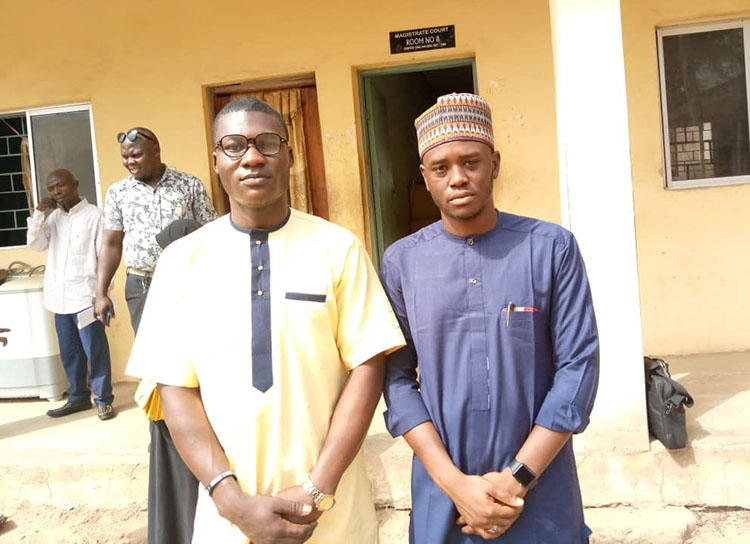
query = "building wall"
x=693 y=259
x=148 y=63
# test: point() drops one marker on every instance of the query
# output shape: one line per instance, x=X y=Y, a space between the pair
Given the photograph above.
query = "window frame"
x=48 y=110
x=695 y=28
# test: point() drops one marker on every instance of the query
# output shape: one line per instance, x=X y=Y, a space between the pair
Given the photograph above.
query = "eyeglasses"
x=235 y=146
x=131 y=135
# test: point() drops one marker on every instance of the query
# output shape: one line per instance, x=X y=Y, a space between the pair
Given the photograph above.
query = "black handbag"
x=665 y=401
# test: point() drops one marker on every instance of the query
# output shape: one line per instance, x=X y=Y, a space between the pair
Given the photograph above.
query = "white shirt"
x=74 y=240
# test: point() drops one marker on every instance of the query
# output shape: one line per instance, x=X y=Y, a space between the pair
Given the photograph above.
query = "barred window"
x=703 y=71
x=32 y=144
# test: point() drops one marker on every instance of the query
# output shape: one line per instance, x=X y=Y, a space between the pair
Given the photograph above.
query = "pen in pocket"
x=510 y=308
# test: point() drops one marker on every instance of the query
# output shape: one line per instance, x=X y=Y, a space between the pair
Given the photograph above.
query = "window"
x=704 y=81
x=32 y=144
x=14 y=197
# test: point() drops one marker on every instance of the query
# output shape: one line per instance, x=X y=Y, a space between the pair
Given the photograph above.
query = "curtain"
x=288 y=102
x=25 y=168
x=26 y=173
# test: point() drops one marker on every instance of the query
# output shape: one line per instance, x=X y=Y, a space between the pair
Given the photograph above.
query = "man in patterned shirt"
x=136 y=209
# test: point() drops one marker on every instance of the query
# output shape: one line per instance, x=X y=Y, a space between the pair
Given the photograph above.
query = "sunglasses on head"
x=131 y=136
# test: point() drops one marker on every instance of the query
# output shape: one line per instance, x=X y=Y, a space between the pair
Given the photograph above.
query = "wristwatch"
x=323 y=502
x=523 y=474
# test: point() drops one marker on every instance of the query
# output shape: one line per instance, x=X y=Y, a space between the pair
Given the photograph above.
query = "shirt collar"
x=132 y=181
x=461 y=239
x=78 y=207
x=261 y=230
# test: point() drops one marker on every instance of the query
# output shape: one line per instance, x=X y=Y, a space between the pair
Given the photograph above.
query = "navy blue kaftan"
x=485 y=378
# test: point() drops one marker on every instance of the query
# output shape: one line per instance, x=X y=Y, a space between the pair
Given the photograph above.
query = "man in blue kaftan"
x=497 y=314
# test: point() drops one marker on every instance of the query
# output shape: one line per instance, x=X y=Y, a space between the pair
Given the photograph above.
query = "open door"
x=383 y=192
x=391 y=100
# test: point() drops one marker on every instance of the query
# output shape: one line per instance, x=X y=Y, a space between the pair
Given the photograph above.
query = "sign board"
x=420 y=39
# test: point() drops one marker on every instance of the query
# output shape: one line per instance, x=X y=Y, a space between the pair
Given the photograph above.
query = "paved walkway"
x=81 y=460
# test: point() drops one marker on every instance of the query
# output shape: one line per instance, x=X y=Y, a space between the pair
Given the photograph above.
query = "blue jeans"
x=78 y=346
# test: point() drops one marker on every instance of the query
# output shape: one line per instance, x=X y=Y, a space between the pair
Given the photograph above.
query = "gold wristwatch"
x=322 y=501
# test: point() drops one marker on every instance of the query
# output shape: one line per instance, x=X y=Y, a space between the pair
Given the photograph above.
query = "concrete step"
x=695 y=476
x=624 y=525
x=714 y=470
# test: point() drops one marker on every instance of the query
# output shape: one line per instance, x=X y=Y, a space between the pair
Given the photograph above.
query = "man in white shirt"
x=71 y=229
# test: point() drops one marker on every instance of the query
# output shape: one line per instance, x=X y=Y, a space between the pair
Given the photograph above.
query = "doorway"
x=391 y=99
x=296 y=98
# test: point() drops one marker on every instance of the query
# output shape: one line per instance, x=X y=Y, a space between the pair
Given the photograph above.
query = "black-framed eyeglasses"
x=235 y=146
x=131 y=136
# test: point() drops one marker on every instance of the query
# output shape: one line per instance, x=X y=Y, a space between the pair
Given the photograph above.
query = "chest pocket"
x=308 y=310
x=307 y=297
x=522 y=319
x=82 y=236
x=309 y=332
x=79 y=244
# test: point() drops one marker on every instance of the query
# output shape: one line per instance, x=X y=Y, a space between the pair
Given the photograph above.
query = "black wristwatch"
x=523 y=474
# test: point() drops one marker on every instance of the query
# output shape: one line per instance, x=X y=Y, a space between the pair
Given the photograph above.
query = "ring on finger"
x=492 y=529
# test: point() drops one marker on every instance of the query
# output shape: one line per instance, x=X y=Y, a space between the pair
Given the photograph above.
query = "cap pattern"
x=456 y=116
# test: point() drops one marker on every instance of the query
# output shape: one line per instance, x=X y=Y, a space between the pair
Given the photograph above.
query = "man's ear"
x=495 y=164
x=422 y=171
x=216 y=169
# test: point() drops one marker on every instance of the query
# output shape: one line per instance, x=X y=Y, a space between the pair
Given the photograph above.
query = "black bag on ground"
x=665 y=401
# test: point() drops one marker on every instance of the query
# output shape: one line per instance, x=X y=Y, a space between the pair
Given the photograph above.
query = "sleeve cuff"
x=404 y=414
x=559 y=415
x=367 y=349
x=37 y=217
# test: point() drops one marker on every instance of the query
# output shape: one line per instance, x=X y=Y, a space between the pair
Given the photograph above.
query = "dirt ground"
x=721 y=527
x=40 y=524
x=36 y=524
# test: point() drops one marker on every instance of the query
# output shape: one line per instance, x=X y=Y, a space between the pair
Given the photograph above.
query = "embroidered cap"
x=455 y=116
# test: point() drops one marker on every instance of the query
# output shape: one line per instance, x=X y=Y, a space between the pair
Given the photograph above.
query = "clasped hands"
x=489 y=504
x=288 y=518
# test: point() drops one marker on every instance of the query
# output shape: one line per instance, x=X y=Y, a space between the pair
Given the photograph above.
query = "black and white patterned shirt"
x=142 y=212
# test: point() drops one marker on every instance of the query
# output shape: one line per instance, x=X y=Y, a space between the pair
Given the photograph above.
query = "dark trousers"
x=172 y=491
x=172 y=488
x=79 y=346
x=136 y=291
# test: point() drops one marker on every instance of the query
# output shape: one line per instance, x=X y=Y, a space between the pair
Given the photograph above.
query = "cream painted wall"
x=147 y=62
x=693 y=256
